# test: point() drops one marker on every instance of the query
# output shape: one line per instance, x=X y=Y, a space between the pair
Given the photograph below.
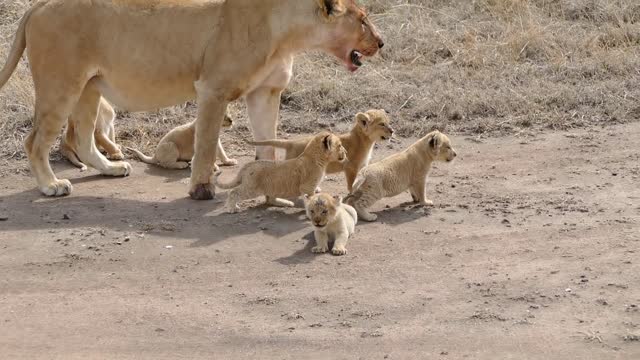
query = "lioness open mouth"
x=356 y=58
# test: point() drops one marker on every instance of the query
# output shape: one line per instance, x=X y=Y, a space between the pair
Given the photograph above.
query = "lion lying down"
x=176 y=148
x=284 y=179
x=397 y=173
x=370 y=127
x=331 y=219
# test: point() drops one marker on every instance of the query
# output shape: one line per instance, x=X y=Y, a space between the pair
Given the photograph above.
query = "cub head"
x=439 y=146
x=321 y=208
x=350 y=34
x=227 y=122
x=333 y=148
x=375 y=125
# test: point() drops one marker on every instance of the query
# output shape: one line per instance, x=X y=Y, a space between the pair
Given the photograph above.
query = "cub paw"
x=319 y=249
x=339 y=251
x=230 y=162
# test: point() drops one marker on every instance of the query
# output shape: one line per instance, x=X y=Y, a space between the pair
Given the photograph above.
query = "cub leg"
x=168 y=156
x=340 y=245
x=322 y=242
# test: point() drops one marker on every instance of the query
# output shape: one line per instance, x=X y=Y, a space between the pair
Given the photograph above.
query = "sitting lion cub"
x=104 y=135
x=370 y=127
x=331 y=218
x=284 y=179
x=175 y=150
x=406 y=170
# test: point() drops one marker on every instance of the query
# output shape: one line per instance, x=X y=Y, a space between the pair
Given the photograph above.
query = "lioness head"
x=439 y=146
x=351 y=33
x=321 y=208
x=227 y=122
x=375 y=124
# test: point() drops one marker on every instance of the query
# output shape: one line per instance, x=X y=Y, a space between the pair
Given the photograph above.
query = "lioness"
x=147 y=54
x=104 y=136
x=331 y=219
x=284 y=179
x=399 y=172
x=175 y=149
x=369 y=127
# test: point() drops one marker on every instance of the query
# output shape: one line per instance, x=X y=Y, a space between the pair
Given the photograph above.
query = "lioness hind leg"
x=84 y=117
x=51 y=112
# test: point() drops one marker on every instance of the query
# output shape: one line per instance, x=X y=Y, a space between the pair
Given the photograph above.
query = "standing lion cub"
x=403 y=171
x=331 y=219
x=176 y=148
x=370 y=127
x=284 y=179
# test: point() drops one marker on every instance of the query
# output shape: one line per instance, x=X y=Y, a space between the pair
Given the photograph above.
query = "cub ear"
x=305 y=198
x=338 y=199
x=435 y=143
x=331 y=8
x=327 y=142
x=363 y=119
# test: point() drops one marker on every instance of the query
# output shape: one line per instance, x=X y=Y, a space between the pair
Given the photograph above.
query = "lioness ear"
x=363 y=119
x=331 y=8
x=436 y=142
x=327 y=142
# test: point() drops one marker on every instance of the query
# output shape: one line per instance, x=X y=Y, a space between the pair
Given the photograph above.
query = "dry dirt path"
x=530 y=253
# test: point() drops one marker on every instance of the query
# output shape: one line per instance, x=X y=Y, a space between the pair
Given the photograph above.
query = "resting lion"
x=104 y=136
x=284 y=179
x=397 y=173
x=143 y=55
x=175 y=150
x=331 y=219
x=369 y=127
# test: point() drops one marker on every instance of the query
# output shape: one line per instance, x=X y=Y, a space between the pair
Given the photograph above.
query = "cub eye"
x=324 y=212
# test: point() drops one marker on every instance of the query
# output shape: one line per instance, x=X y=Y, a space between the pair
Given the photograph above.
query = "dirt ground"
x=531 y=252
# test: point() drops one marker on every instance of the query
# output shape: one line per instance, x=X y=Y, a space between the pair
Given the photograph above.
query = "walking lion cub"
x=331 y=219
x=370 y=127
x=397 y=173
x=284 y=179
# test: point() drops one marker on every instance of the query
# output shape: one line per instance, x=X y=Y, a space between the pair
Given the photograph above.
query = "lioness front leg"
x=322 y=242
x=211 y=110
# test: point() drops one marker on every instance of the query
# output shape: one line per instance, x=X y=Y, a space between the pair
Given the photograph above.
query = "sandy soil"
x=531 y=252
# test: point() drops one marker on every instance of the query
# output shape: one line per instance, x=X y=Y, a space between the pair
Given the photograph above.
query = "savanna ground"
x=530 y=252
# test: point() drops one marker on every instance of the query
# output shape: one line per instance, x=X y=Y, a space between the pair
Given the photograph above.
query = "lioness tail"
x=18 y=46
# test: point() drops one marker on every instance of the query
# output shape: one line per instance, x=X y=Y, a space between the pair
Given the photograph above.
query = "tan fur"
x=369 y=127
x=104 y=136
x=147 y=54
x=331 y=220
x=284 y=179
x=176 y=148
x=397 y=173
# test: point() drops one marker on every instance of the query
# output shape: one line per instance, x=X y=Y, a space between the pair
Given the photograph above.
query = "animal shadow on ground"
x=171 y=176
x=202 y=222
x=302 y=256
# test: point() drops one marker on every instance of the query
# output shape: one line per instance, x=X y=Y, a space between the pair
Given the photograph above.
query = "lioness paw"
x=60 y=187
x=319 y=249
x=426 y=203
x=202 y=191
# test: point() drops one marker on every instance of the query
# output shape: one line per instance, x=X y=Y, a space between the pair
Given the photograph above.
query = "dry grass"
x=472 y=66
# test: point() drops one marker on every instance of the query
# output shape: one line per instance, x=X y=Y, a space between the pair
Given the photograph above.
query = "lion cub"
x=369 y=127
x=399 y=172
x=330 y=218
x=284 y=179
x=104 y=135
x=175 y=149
